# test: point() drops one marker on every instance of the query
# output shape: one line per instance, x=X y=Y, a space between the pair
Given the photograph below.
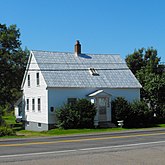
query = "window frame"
x=38 y=78
x=51 y=109
x=33 y=104
x=27 y=104
x=28 y=80
x=39 y=125
x=39 y=104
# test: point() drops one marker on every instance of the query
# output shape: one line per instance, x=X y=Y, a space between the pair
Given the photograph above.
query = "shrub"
x=135 y=114
x=5 y=131
x=87 y=112
x=140 y=115
x=79 y=115
x=120 y=109
x=67 y=117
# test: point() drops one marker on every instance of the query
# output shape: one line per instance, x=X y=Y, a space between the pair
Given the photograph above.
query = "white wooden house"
x=54 y=78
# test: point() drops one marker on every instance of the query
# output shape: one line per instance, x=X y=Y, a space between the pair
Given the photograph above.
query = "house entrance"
x=102 y=101
x=102 y=108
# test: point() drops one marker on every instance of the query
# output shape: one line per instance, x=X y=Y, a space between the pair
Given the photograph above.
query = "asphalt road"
x=130 y=147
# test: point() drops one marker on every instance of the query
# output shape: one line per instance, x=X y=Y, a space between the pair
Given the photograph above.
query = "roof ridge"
x=73 y=52
x=50 y=51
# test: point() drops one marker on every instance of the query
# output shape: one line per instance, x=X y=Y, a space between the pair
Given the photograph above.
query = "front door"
x=102 y=105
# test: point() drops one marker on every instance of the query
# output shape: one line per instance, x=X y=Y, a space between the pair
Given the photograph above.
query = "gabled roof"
x=61 y=69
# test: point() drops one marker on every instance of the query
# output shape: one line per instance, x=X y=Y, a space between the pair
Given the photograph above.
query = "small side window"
x=51 y=109
x=39 y=125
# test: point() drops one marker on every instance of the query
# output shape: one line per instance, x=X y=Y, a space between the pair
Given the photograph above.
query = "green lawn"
x=58 y=132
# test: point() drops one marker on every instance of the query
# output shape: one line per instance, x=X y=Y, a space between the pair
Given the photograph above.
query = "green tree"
x=143 y=59
x=135 y=61
x=151 y=76
x=12 y=64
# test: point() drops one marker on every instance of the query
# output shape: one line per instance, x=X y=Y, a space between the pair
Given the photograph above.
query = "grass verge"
x=10 y=120
x=61 y=132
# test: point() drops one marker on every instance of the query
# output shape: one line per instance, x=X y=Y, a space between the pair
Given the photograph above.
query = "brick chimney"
x=77 y=48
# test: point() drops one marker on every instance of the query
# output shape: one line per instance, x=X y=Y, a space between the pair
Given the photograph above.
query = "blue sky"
x=102 y=26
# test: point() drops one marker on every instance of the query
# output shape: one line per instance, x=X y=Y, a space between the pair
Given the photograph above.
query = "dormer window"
x=94 y=72
x=38 y=78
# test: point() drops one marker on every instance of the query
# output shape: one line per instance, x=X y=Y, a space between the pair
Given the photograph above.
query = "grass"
x=60 y=132
x=10 y=120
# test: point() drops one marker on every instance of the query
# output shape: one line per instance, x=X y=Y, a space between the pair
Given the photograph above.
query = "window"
x=39 y=104
x=38 y=78
x=94 y=72
x=51 y=109
x=27 y=104
x=39 y=125
x=72 y=101
x=28 y=80
x=33 y=104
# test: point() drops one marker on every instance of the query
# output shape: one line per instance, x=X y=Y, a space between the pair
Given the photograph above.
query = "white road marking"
x=37 y=153
x=121 y=146
x=84 y=149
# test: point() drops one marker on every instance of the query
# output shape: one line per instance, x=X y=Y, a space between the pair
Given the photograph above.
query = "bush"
x=140 y=115
x=135 y=114
x=67 y=117
x=86 y=112
x=120 y=109
x=79 y=115
x=4 y=131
